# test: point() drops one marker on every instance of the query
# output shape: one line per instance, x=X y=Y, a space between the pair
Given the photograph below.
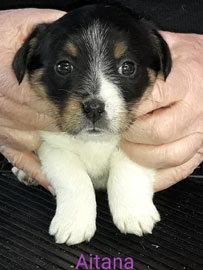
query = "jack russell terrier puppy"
x=94 y=65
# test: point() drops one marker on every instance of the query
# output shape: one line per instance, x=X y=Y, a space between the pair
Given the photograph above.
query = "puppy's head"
x=94 y=64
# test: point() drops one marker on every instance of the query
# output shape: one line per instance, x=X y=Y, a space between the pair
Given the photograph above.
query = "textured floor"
x=25 y=214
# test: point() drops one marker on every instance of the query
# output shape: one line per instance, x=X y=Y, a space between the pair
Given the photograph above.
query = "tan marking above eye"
x=72 y=49
x=119 y=50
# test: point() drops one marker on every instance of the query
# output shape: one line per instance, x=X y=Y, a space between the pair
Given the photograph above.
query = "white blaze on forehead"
x=95 y=37
x=96 y=42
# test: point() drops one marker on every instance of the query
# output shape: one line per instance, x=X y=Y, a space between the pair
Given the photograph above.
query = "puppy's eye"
x=127 y=69
x=64 y=68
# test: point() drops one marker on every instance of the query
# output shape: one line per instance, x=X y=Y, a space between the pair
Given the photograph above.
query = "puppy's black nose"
x=93 y=109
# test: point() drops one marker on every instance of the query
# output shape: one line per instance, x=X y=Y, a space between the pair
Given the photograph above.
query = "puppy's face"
x=93 y=64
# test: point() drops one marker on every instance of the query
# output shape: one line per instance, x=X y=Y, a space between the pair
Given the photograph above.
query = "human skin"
x=167 y=134
x=22 y=114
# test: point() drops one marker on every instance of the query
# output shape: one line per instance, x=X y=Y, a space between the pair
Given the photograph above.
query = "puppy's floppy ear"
x=164 y=54
x=24 y=54
x=159 y=46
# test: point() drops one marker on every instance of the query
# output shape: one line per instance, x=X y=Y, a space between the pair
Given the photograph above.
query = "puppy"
x=94 y=65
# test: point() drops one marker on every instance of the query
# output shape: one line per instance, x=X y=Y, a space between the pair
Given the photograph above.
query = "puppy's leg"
x=75 y=218
x=23 y=177
x=130 y=195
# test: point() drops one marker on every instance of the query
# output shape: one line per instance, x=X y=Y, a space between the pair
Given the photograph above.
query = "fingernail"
x=50 y=188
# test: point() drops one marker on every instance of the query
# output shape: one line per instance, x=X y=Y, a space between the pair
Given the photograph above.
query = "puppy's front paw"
x=72 y=229
x=23 y=177
x=137 y=220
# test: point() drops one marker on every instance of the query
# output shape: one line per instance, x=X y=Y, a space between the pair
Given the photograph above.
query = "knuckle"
x=186 y=169
x=181 y=174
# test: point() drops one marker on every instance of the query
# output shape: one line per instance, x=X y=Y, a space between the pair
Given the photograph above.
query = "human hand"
x=168 y=132
x=22 y=113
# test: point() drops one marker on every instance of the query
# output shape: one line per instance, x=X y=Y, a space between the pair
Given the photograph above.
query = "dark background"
x=171 y=15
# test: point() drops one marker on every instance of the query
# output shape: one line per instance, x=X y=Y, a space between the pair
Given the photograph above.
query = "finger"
x=21 y=140
x=168 y=177
x=49 y=15
x=29 y=18
x=164 y=93
x=164 y=156
x=29 y=163
x=35 y=119
x=164 y=125
x=20 y=23
x=34 y=18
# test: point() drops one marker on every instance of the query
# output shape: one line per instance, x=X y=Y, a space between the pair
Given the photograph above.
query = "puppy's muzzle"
x=93 y=109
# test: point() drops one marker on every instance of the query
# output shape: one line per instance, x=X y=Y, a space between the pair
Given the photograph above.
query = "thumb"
x=165 y=155
x=29 y=163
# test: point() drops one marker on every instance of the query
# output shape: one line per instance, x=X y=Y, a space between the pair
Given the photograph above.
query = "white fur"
x=73 y=166
x=75 y=216
x=114 y=102
x=130 y=195
x=96 y=41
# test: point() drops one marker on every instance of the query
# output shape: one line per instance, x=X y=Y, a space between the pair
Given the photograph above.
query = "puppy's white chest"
x=93 y=156
x=96 y=159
